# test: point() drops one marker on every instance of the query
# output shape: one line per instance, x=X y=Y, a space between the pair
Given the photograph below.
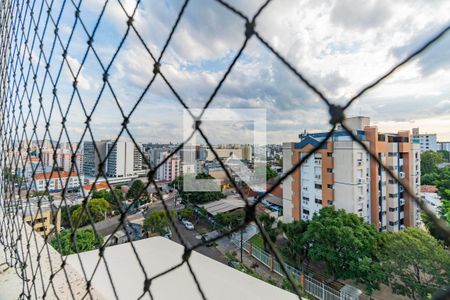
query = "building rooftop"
x=98 y=186
x=54 y=174
x=230 y=203
x=218 y=281
x=428 y=189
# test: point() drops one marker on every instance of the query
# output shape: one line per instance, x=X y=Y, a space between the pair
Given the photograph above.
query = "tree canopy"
x=137 y=189
x=296 y=249
x=268 y=223
x=429 y=161
x=416 y=263
x=231 y=219
x=98 y=207
x=114 y=197
x=198 y=197
x=157 y=222
x=85 y=241
x=347 y=245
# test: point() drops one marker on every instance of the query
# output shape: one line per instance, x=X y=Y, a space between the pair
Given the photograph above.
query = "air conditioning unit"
x=401 y=174
x=360 y=198
x=402 y=227
x=359 y=163
x=360 y=180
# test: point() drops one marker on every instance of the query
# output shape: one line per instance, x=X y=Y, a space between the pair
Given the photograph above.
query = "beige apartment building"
x=343 y=175
x=42 y=221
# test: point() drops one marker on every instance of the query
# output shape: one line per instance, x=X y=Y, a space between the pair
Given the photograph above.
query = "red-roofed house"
x=56 y=181
x=99 y=186
x=428 y=189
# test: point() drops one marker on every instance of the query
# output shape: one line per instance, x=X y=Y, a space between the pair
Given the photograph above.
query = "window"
x=392 y=154
x=330 y=154
x=306 y=212
x=330 y=186
x=305 y=198
x=318 y=201
x=329 y=170
x=391 y=209
x=318 y=186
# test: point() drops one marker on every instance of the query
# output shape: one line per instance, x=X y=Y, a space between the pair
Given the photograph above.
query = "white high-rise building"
x=428 y=141
x=125 y=160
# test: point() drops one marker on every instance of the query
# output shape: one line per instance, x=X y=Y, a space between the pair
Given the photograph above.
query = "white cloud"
x=340 y=46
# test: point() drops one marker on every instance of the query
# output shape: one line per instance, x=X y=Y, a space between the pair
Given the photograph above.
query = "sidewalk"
x=225 y=245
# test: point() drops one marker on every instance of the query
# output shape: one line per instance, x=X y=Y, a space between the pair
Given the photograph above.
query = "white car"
x=188 y=225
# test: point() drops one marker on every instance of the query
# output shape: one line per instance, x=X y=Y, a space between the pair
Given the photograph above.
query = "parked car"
x=188 y=225
x=208 y=237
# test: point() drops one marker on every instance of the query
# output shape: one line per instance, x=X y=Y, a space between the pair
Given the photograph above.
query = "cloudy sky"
x=340 y=46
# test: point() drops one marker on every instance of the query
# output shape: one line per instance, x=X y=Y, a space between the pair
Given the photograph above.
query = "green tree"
x=416 y=263
x=343 y=240
x=97 y=207
x=66 y=214
x=114 y=197
x=429 y=161
x=429 y=179
x=186 y=213
x=198 y=197
x=136 y=190
x=158 y=222
x=231 y=219
x=268 y=222
x=445 y=155
x=270 y=173
x=85 y=241
x=296 y=249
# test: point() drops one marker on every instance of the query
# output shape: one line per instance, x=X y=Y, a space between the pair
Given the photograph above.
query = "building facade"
x=124 y=159
x=57 y=181
x=444 y=146
x=92 y=159
x=342 y=174
x=170 y=169
x=428 y=141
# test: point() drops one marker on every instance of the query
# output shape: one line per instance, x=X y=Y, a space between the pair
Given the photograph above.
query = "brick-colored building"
x=342 y=174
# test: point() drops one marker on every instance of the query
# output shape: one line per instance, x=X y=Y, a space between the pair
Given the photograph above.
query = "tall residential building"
x=171 y=169
x=444 y=146
x=91 y=158
x=342 y=174
x=124 y=160
x=428 y=141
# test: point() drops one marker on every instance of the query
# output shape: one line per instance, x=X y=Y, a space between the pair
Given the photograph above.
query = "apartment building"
x=62 y=158
x=124 y=159
x=92 y=159
x=428 y=141
x=171 y=169
x=343 y=175
x=43 y=220
x=444 y=146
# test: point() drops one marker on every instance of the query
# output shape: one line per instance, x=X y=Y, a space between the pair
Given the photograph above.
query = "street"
x=192 y=238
